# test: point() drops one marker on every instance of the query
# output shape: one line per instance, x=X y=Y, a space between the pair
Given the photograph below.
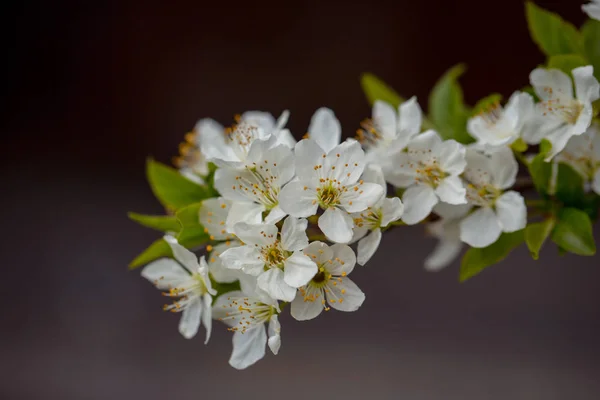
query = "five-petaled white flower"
x=191 y=162
x=330 y=287
x=592 y=9
x=230 y=146
x=561 y=115
x=329 y=180
x=447 y=231
x=247 y=317
x=430 y=170
x=370 y=221
x=213 y=215
x=277 y=260
x=583 y=154
x=388 y=131
x=487 y=176
x=188 y=281
x=499 y=126
x=254 y=186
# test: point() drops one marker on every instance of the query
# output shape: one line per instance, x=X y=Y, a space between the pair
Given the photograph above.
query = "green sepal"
x=573 y=232
x=536 y=234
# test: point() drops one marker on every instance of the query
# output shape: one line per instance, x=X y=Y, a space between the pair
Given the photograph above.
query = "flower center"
x=430 y=173
x=328 y=195
x=192 y=288
x=369 y=133
x=259 y=184
x=483 y=195
x=492 y=114
x=369 y=219
x=247 y=313
x=569 y=112
x=242 y=134
x=274 y=256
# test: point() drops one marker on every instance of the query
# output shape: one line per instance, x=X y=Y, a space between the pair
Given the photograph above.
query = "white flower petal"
x=343 y=260
x=304 y=310
x=551 y=83
x=443 y=254
x=274 y=334
x=190 y=319
x=211 y=137
x=481 y=228
x=207 y=316
x=384 y=117
x=275 y=215
x=243 y=257
x=250 y=213
x=293 y=234
x=391 y=210
x=559 y=138
x=511 y=211
x=248 y=347
x=261 y=234
x=411 y=117
x=592 y=9
x=319 y=252
x=451 y=157
x=337 y=225
x=374 y=174
x=451 y=211
x=345 y=295
x=298 y=199
x=308 y=155
x=418 y=202
x=425 y=141
x=325 y=129
x=286 y=138
x=503 y=168
x=226 y=183
x=367 y=246
x=165 y=273
x=451 y=190
x=365 y=195
x=586 y=85
x=299 y=269
x=273 y=284
x=261 y=119
x=183 y=255
x=345 y=162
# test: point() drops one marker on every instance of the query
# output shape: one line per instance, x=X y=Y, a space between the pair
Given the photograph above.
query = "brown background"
x=91 y=88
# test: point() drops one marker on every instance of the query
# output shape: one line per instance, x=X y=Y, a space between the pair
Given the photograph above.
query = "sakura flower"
x=499 y=126
x=447 y=231
x=191 y=162
x=248 y=317
x=562 y=115
x=230 y=146
x=389 y=131
x=185 y=279
x=583 y=154
x=499 y=211
x=430 y=170
x=329 y=180
x=213 y=216
x=254 y=185
x=276 y=260
x=368 y=223
x=330 y=287
x=592 y=9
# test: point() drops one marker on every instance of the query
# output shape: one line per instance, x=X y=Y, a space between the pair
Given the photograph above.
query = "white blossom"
x=368 y=223
x=498 y=211
x=275 y=258
x=330 y=287
x=499 y=126
x=329 y=180
x=248 y=317
x=583 y=154
x=592 y=9
x=388 y=131
x=447 y=231
x=187 y=280
x=560 y=113
x=191 y=162
x=430 y=170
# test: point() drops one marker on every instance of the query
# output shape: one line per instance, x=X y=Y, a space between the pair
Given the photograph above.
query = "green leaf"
x=569 y=185
x=541 y=171
x=573 y=232
x=567 y=62
x=447 y=109
x=536 y=234
x=157 y=249
x=519 y=145
x=163 y=223
x=376 y=89
x=591 y=44
x=192 y=232
x=172 y=189
x=486 y=103
x=476 y=260
x=551 y=33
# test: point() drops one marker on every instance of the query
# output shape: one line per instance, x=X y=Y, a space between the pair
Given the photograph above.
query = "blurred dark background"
x=91 y=88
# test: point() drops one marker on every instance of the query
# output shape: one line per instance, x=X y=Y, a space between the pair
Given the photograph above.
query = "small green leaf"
x=569 y=185
x=163 y=223
x=541 y=173
x=519 y=146
x=573 y=232
x=486 y=103
x=476 y=260
x=192 y=232
x=591 y=39
x=566 y=62
x=536 y=234
x=551 y=33
x=172 y=189
x=447 y=109
x=157 y=249
x=376 y=89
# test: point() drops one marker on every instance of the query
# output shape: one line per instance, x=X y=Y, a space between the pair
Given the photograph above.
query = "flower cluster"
x=283 y=223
